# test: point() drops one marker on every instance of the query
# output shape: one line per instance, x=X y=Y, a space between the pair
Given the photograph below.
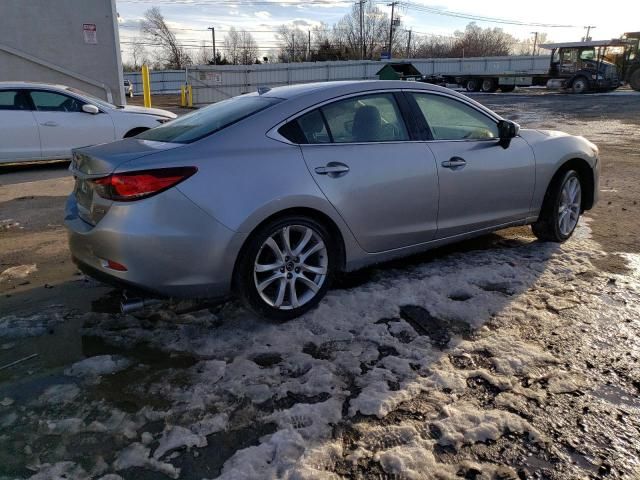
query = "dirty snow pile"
x=16 y=326
x=382 y=376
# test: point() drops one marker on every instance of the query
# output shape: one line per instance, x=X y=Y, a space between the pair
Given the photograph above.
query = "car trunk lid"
x=91 y=163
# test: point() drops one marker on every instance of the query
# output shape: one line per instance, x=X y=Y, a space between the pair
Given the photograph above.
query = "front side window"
x=451 y=119
x=55 y=102
x=370 y=118
x=208 y=120
x=14 y=100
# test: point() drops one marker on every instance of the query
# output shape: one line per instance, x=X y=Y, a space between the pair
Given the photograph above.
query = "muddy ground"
x=497 y=358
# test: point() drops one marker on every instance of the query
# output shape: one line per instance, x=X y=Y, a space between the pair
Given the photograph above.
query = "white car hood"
x=147 y=111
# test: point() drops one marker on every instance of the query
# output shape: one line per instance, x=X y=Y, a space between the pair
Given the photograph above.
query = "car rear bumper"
x=169 y=247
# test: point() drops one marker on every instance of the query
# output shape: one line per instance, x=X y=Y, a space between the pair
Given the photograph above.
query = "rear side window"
x=309 y=128
x=369 y=118
x=14 y=100
x=208 y=120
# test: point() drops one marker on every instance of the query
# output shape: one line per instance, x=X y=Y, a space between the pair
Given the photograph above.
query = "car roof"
x=346 y=86
x=16 y=84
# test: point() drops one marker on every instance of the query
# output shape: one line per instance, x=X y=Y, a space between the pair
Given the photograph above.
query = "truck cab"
x=586 y=66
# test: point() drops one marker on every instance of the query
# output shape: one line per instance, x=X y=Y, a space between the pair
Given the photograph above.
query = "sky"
x=191 y=18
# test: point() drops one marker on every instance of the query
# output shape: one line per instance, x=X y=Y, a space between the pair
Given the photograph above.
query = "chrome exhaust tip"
x=130 y=305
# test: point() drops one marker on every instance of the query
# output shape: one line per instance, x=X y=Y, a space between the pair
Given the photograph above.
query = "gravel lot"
x=500 y=357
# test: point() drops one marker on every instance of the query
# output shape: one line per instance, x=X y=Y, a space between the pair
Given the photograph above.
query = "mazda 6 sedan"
x=270 y=195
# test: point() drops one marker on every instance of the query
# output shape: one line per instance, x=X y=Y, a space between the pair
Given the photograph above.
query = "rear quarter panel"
x=245 y=177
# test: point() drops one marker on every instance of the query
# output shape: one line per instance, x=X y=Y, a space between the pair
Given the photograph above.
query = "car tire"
x=561 y=208
x=282 y=282
x=473 y=85
x=634 y=80
x=580 y=85
x=489 y=85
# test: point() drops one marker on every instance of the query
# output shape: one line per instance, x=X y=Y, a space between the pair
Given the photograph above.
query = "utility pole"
x=535 y=42
x=293 y=47
x=588 y=27
x=408 y=45
x=309 y=54
x=392 y=5
x=213 y=38
x=361 y=18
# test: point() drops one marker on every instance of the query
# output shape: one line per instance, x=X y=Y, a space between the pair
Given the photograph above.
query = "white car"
x=39 y=121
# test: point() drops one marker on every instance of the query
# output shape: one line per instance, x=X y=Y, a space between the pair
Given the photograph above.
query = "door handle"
x=454 y=162
x=50 y=123
x=333 y=169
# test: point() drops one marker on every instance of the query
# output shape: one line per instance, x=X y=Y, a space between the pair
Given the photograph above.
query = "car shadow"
x=370 y=348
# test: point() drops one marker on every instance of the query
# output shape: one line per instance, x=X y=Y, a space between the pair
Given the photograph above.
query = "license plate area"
x=84 y=193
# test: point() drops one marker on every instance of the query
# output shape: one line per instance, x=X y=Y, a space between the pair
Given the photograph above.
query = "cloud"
x=263 y=14
x=301 y=23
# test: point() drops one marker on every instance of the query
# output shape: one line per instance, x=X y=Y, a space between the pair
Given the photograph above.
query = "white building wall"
x=44 y=41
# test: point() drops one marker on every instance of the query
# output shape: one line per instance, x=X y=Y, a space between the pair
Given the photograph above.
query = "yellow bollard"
x=190 y=96
x=146 y=86
x=183 y=96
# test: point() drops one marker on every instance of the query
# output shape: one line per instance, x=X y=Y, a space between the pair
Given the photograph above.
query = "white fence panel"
x=212 y=83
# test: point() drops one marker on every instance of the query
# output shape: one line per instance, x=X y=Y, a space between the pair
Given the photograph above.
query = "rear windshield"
x=208 y=120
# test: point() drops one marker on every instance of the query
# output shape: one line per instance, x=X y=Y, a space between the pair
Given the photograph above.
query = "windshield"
x=99 y=102
x=208 y=120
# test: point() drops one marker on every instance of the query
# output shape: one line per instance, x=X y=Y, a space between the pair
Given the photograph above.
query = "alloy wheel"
x=569 y=208
x=291 y=266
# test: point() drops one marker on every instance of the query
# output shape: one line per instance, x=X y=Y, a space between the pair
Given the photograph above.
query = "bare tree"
x=431 y=46
x=204 y=55
x=375 y=29
x=478 y=42
x=240 y=47
x=526 y=47
x=292 y=44
x=138 y=54
x=156 y=29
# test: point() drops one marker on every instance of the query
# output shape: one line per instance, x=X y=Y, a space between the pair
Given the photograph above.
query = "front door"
x=383 y=185
x=482 y=184
x=19 y=137
x=63 y=125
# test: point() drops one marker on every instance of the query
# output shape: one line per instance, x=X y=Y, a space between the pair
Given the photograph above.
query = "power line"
x=480 y=18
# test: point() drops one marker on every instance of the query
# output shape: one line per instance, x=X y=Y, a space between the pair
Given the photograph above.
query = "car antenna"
x=262 y=90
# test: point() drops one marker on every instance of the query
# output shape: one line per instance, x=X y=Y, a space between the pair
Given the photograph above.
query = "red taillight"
x=136 y=185
x=115 y=266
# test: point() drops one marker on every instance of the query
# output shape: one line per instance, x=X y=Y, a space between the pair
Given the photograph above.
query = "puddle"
x=616 y=396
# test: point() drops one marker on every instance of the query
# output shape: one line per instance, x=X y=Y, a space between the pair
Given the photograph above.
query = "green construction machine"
x=631 y=62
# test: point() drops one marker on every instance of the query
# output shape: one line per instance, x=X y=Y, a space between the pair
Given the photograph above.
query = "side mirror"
x=506 y=131
x=92 y=109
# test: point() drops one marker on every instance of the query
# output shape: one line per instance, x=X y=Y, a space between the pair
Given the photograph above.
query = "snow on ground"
x=18 y=272
x=385 y=378
x=96 y=366
x=15 y=326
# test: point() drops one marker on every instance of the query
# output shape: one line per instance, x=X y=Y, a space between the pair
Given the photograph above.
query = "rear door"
x=383 y=184
x=482 y=184
x=63 y=125
x=19 y=137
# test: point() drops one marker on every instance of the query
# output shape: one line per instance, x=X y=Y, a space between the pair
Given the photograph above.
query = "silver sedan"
x=270 y=195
